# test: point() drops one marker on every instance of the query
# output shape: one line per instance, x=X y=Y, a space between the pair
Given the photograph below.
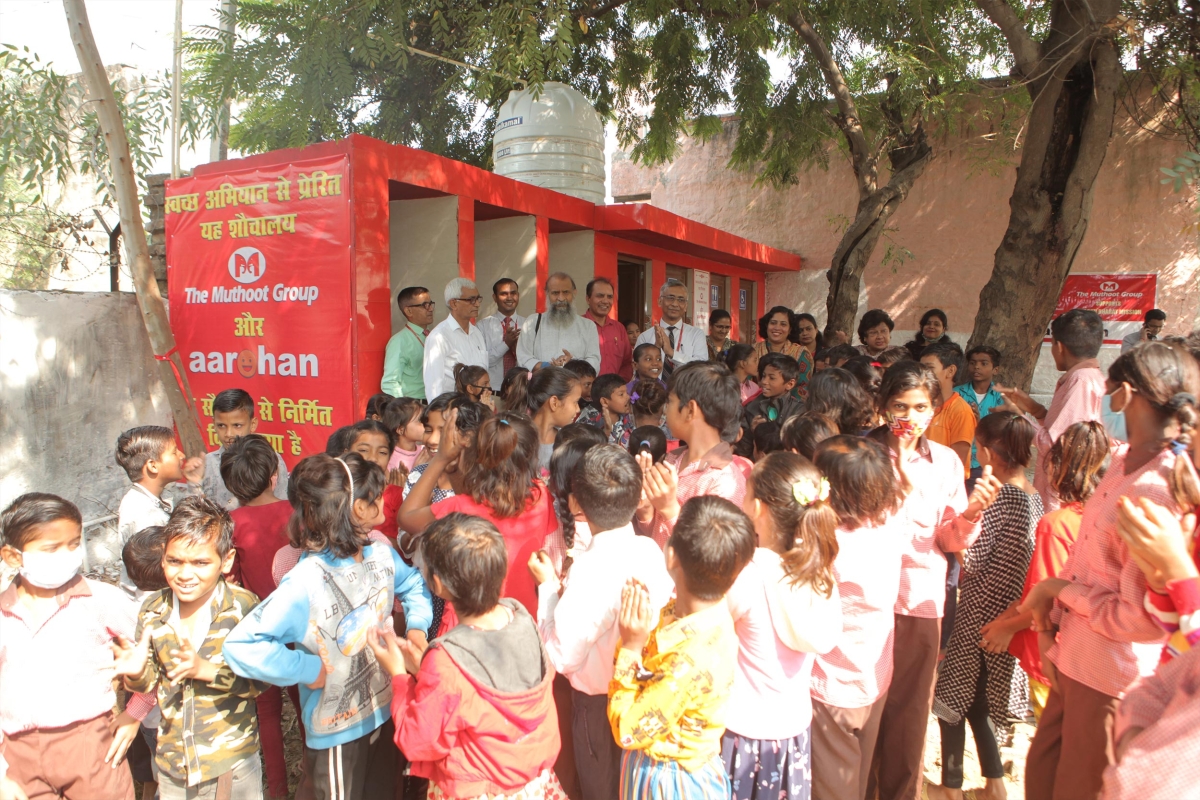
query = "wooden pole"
x=150 y=302
x=219 y=150
x=176 y=87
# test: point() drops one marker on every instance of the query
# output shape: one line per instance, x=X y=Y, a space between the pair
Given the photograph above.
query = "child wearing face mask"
x=60 y=737
x=342 y=588
x=939 y=518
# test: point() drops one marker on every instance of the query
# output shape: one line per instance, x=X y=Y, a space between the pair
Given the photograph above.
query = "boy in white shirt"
x=153 y=462
x=578 y=621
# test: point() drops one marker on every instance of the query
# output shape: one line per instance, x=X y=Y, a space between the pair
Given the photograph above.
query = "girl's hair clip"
x=633 y=398
x=502 y=421
x=807 y=492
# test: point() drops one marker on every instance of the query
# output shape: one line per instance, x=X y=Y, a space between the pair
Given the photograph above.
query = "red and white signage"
x=259 y=270
x=1121 y=300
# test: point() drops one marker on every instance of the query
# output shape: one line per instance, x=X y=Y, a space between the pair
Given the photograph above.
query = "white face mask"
x=51 y=570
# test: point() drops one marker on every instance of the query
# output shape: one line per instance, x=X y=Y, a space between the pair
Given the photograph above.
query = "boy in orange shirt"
x=954 y=420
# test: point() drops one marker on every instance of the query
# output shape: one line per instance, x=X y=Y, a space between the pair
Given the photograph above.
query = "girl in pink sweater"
x=785 y=607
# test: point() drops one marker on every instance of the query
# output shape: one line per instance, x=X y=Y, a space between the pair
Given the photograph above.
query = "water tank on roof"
x=554 y=140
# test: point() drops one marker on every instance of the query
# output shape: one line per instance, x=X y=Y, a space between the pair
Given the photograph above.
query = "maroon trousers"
x=898 y=769
x=1073 y=744
x=843 y=742
x=68 y=763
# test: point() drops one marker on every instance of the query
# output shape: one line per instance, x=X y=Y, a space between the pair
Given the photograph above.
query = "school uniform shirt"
x=541 y=342
x=447 y=346
x=523 y=536
x=932 y=525
x=1106 y=638
x=326 y=606
x=258 y=534
x=1160 y=763
x=982 y=405
x=579 y=627
x=1054 y=538
x=207 y=728
x=403 y=363
x=616 y=356
x=715 y=473
x=139 y=510
x=493 y=329
x=780 y=627
x=59 y=670
x=213 y=485
x=405 y=458
x=673 y=700
x=1078 y=397
x=858 y=670
x=691 y=344
x=953 y=423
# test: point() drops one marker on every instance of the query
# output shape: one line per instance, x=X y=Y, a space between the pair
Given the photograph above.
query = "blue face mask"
x=1114 y=421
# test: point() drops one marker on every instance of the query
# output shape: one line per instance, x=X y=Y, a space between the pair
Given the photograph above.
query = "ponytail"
x=547 y=382
x=322 y=490
x=797 y=497
x=503 y=463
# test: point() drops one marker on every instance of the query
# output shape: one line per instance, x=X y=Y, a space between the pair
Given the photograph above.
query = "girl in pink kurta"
x=1097 y=633
x=937 y=517
x=786 y=608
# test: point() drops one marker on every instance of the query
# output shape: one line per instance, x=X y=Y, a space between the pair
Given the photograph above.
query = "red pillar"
x=466 y=238
x=605 y=266
x=541 y=229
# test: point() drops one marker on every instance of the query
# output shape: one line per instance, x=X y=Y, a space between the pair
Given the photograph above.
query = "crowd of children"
x=755 y=579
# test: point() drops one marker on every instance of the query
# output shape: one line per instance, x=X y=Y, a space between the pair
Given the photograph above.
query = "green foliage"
x=1185 y=171
x=49 y=135
x=302 y=71
x=50 y=132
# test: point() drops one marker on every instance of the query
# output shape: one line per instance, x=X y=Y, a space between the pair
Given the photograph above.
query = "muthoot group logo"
x=247 y=264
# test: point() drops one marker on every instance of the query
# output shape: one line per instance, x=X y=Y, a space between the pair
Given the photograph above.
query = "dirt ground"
x=1013 y=757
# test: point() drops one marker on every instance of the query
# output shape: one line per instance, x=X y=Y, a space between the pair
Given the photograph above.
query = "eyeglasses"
x=427 y=305
x=670 y=298
x=476 y=300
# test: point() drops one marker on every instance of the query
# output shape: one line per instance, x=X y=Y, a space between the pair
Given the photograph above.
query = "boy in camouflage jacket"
x=208 y=739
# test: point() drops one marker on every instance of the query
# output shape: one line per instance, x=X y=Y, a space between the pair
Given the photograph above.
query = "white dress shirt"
x=580 y=627
x=493 y=333
x=139 y=510
x=446 y=346
x=690 y=343
x=546 y=342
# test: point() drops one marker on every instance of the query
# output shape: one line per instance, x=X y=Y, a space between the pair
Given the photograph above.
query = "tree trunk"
x=1074 y=91
x=858 y=243
x=154 y=313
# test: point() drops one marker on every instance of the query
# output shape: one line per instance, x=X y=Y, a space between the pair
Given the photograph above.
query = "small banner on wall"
x=259 y=272
x=700 y=287
x=1121 y=300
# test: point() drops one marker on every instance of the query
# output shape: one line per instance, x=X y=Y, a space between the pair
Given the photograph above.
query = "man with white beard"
x=557 y=335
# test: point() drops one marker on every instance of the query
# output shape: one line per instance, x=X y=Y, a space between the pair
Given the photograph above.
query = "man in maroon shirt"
x=615 y=352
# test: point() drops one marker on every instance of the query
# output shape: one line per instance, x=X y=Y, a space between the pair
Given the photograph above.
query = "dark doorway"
x=631 y=292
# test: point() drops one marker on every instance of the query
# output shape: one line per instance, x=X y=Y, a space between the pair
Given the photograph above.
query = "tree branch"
x=1023 y=46
x=847 y=120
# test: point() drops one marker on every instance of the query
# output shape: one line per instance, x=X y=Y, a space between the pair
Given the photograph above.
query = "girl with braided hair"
x=1098 y=638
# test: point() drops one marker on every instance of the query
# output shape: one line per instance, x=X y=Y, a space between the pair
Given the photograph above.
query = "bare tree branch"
x=862 y=159
x=1024 y=48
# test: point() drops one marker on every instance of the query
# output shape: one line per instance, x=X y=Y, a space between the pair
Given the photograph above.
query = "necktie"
x=510 y=357
x=671 y=336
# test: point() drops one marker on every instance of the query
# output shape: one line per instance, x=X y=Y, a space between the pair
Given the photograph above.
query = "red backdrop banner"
x=259 y=271
x=1120 y=300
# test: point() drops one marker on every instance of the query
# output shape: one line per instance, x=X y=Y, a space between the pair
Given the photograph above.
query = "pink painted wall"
x=952 y=222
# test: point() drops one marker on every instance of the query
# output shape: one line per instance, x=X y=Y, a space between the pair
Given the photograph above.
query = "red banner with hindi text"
x=259 y=273
x=1121 y=300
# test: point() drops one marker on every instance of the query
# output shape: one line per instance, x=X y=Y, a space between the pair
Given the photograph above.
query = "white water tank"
x=554 y=140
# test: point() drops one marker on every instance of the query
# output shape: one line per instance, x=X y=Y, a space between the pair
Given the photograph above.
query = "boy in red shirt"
x=249 y=468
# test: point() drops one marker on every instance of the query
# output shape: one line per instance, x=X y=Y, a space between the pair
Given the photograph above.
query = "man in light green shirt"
x=406 y=349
